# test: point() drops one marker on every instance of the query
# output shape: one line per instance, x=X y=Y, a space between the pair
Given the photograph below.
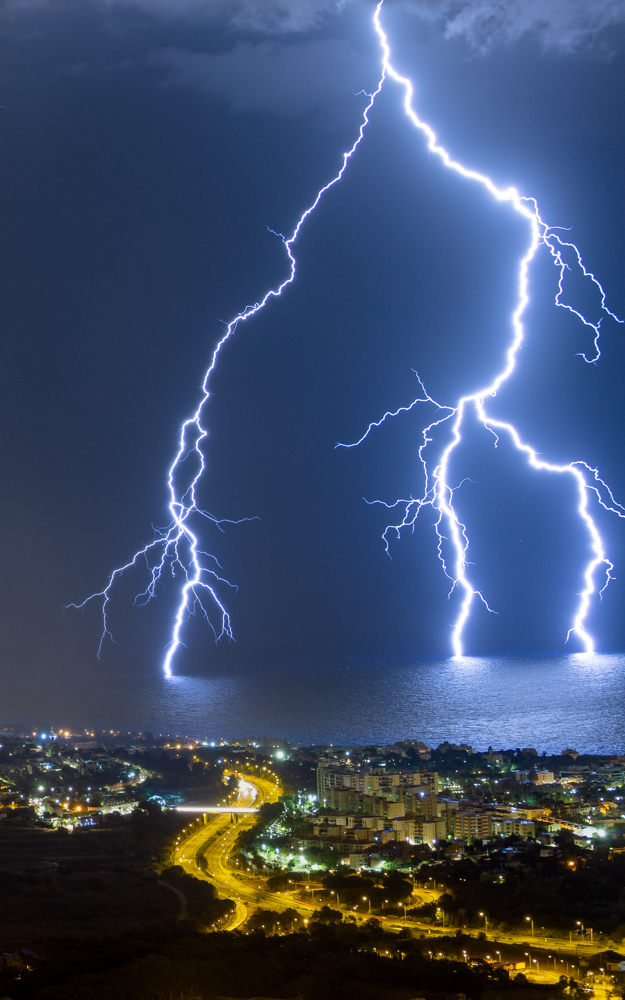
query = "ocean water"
x=505 y=701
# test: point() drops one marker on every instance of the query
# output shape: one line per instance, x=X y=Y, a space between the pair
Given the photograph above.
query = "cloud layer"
x=558 y=24
x=273 y=17
x=484 y=24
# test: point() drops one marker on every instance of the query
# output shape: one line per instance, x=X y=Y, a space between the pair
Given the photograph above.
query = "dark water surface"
x=549 y=703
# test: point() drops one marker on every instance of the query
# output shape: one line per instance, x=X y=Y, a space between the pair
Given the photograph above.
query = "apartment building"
x=471 y=825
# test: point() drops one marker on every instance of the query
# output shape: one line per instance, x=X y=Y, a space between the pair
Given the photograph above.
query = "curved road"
x=214 y=841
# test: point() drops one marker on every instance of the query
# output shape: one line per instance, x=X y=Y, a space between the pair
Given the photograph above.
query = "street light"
x=364 y=898
x=532 y=923
x=485 y=920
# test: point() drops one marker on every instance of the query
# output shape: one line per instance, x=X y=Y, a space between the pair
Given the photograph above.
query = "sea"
x=547 y=702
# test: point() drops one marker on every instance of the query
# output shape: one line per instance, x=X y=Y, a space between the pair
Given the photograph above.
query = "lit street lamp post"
x=532 y=923
x=485 y=921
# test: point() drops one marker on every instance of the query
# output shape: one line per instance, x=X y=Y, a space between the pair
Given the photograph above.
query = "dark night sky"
x=143 y=157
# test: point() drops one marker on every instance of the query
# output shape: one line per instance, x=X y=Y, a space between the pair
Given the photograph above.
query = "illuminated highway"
x=214 y=841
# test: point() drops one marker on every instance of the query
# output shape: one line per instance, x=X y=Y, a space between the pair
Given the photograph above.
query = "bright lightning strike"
x=176 y=549
x=438 y=494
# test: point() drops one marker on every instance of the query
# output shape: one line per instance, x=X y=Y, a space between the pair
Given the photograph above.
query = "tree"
x=327 y=914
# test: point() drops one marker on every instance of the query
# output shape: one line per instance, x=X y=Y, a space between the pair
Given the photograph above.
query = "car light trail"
x=216 y=809
x=438 y=493
x=176 y=549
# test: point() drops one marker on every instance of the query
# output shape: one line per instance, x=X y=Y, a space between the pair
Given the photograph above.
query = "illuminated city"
x=270 y=265
x=388 y=839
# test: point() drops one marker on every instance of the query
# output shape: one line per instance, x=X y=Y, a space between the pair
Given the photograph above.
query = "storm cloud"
x=557 y=24
x=564 y=25
x=263 y=16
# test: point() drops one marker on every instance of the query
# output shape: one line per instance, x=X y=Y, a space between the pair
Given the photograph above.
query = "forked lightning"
x=176 y=549
x=438 y=492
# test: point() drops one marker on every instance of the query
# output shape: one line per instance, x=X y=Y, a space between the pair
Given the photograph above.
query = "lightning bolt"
x=176 y=548
x=438 y=493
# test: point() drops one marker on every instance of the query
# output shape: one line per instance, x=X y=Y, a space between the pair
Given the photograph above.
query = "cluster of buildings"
x=376 y=801
x=69 y=779
x=371 y=800
x=63 y=781
x=63 y=778
x=375 y=805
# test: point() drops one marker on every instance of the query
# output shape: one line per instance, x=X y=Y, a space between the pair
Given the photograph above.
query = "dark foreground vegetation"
x=327 y=962
x=94 y=881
